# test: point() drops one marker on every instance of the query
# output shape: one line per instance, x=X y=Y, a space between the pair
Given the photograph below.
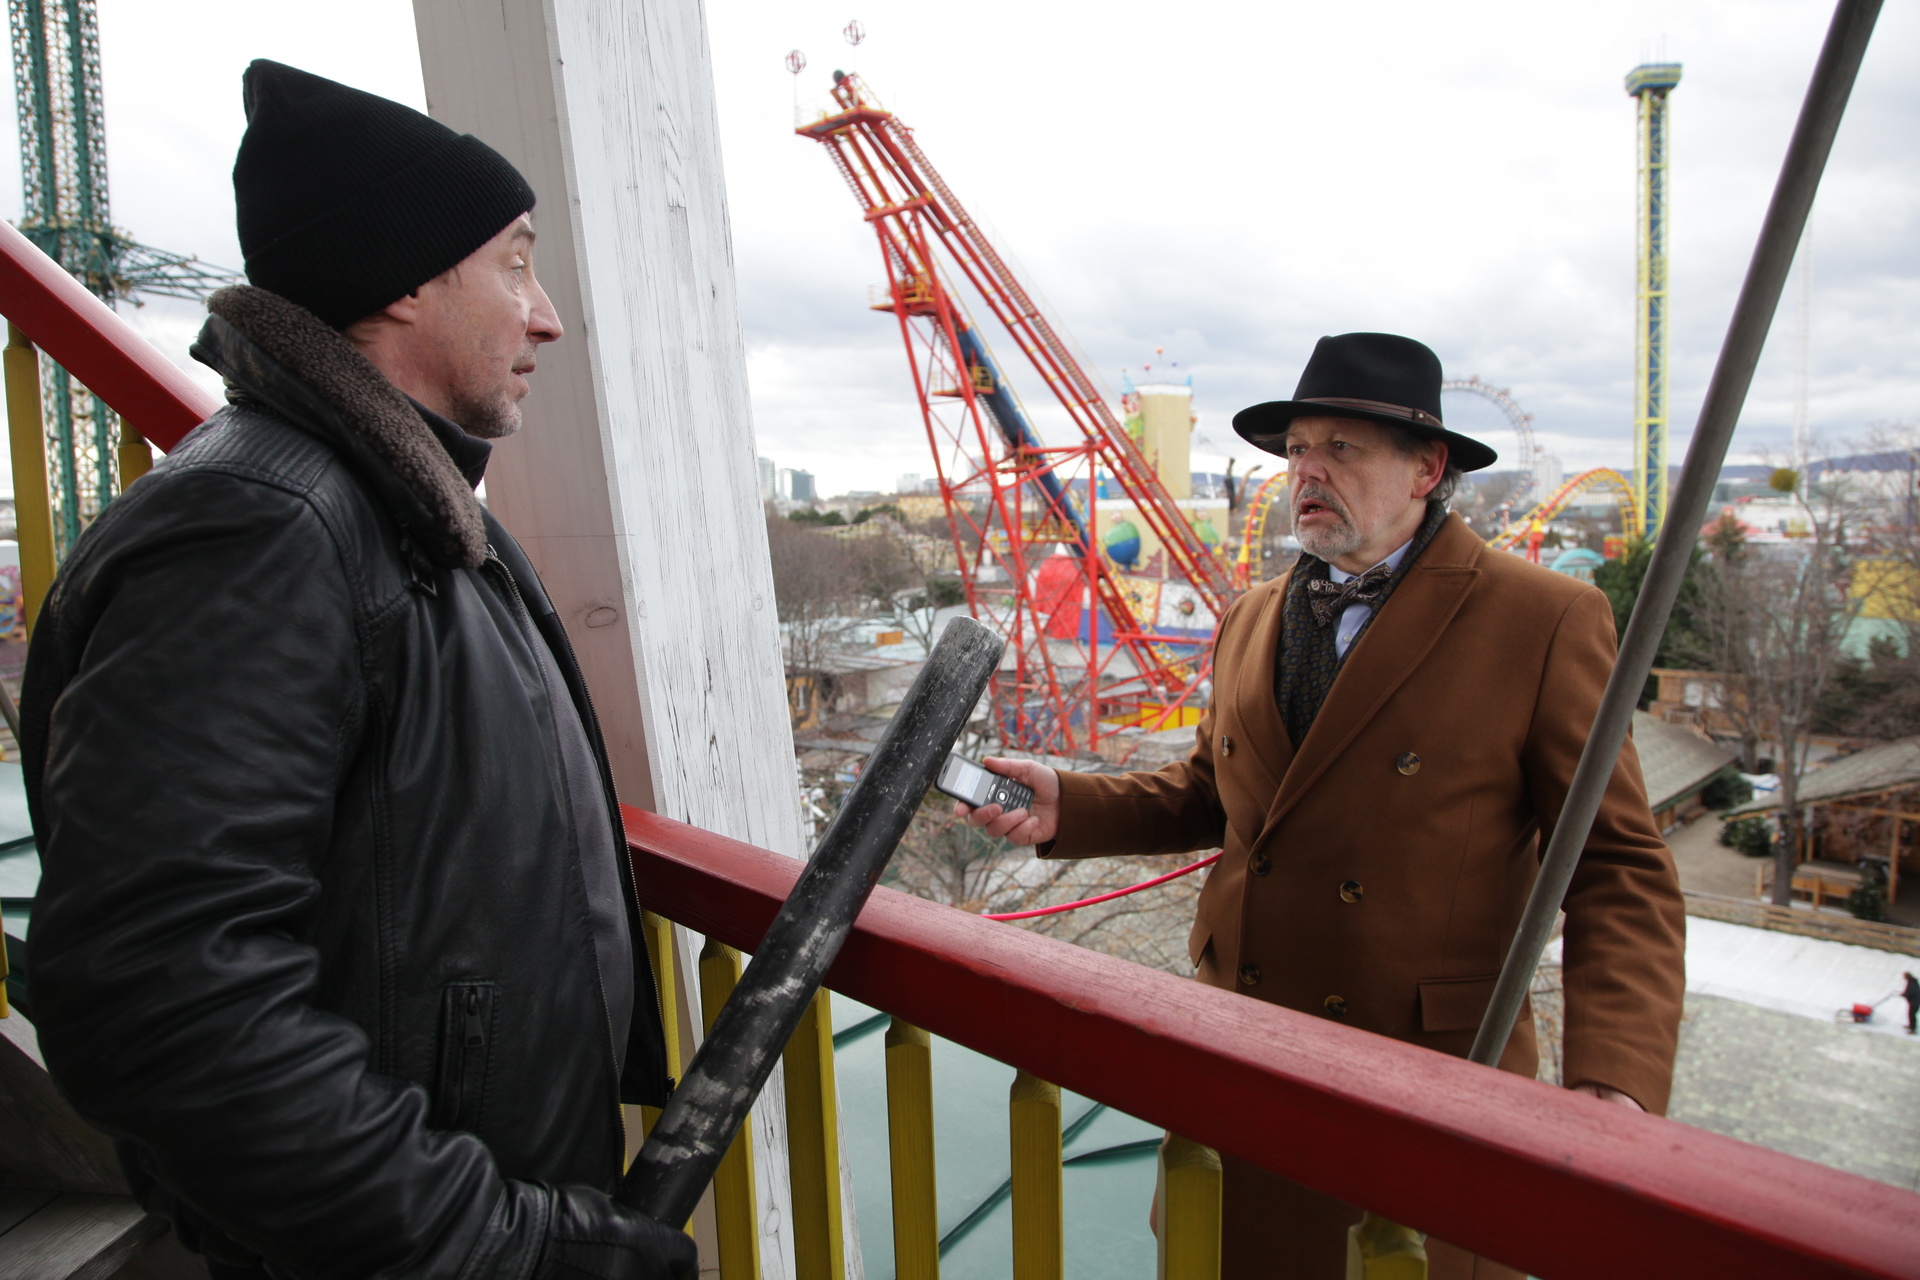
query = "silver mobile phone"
x=976 y=785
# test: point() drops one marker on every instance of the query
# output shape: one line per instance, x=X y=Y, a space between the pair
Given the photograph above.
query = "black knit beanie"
x=348 y=201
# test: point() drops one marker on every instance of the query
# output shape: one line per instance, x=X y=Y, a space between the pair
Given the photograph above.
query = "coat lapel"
x=1262 y=725
x=1382 y=659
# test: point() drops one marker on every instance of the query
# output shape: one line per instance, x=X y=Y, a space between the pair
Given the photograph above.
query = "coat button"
x=1226 y=745
x=1350 y=891
x=1261 y=864
x=1250 y=975
x=1336 y=1006
x=1408 y=763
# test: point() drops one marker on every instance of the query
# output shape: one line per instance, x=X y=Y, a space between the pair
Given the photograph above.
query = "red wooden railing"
x=1535 y=1176
x=96 y=346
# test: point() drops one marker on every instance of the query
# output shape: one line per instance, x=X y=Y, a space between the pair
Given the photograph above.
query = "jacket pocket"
x=466 y=1048
x=1455 y=1004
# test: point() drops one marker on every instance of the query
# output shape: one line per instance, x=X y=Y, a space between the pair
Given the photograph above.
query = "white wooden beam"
x=634 y=484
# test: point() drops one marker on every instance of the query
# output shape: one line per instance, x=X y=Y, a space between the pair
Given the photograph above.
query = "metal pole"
x=1826 y=101
x=733 y=1062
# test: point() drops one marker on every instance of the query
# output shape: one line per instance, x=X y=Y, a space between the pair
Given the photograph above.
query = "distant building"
x=1548 y=476
x=795 y=485
x=1160 y=419
x=921 y=506
x=909 y=482
x=769 y=479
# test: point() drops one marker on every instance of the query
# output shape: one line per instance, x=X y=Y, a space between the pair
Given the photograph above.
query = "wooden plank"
x=1033 y=1144
x=1881 y=936
x=43 y=1141
x=77 y=1237
x=1538 y=1177
x=634 y=484
x=16 y=1205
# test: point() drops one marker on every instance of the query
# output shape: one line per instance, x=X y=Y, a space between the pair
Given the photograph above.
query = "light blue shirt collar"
x=1392 y=562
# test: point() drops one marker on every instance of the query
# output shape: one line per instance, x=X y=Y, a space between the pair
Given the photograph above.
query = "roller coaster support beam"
x=1826 y=102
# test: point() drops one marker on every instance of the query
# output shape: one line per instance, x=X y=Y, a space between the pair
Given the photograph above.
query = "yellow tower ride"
x=1650 y=84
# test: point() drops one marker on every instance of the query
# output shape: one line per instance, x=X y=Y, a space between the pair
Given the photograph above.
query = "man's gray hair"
x=1415 y=446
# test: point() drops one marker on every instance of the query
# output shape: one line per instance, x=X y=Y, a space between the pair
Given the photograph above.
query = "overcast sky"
x=1225 y=181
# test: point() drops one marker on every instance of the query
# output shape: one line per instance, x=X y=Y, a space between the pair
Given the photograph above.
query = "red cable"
x=1105 y=897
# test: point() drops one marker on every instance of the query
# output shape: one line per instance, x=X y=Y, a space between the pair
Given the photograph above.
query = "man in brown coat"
x=1394 y=725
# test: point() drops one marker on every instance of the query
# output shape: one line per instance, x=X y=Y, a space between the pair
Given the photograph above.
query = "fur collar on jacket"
x=279 y=352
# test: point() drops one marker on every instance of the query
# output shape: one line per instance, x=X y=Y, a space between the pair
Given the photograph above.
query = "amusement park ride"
x=1090 y=654
x=1085 y=659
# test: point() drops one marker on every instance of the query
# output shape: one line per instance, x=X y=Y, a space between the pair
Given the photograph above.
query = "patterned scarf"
x=1308 y=660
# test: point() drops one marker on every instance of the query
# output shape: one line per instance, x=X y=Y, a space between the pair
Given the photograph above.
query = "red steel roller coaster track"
x=1014 y=503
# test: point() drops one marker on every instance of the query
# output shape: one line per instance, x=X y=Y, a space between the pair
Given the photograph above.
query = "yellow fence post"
x=1381 y=1250
x=32 y=510
x=659 y=940
x=916 y=1211
x=736 y=1219
x=1033 y=1123
x=136 y=455
x=1189 y=1196
x=813 y=1146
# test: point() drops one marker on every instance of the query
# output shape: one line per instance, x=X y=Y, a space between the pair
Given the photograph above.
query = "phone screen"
x=966 y=777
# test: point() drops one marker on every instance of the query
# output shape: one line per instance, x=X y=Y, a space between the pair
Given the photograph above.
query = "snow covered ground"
x=1811 y=977
x=1808 y=976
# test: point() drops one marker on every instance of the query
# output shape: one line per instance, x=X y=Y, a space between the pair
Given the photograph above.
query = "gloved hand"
x=589 y=1237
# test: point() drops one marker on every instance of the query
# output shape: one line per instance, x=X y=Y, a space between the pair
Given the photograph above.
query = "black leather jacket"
x=312 y=940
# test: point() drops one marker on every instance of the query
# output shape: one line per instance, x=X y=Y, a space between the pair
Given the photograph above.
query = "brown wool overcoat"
x=1376 y=873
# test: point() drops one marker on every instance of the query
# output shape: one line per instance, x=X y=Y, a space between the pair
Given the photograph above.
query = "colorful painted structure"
x=1533 y=524
x=1026 y=515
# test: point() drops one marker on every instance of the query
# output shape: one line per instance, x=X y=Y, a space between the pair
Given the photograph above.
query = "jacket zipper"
x=525 y=619
x=461 y=1092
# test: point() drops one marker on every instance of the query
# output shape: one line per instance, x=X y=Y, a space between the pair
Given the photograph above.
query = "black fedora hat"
x=1379 y=377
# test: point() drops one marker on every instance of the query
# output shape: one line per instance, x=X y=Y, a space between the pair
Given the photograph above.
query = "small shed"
x=1676 y=762
x=1858 y=810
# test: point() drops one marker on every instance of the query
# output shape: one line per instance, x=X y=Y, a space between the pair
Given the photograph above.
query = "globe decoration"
x=1208 y=534
x=1123 y=544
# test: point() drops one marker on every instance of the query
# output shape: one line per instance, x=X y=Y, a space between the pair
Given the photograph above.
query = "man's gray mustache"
x=1321 y=496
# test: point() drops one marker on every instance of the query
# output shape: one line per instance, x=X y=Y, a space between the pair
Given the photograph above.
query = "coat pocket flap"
x=1455 y=1004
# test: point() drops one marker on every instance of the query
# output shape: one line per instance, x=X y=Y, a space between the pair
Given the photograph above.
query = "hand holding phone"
x=978 y=786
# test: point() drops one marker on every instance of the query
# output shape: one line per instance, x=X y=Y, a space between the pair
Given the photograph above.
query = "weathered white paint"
x=634 y=483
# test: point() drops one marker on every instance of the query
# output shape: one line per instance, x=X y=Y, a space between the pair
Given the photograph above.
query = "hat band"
x=1420 y=416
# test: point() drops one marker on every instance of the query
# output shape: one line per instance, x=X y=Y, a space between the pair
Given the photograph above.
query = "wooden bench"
x=1817 y=881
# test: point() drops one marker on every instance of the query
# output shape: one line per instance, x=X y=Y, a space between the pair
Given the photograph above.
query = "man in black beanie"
x=337 y=937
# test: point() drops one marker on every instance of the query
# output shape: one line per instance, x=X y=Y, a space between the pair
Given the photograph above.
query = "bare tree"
x=943 y=859
x=1774 y=618
x=815 y=589
x=1879 y=693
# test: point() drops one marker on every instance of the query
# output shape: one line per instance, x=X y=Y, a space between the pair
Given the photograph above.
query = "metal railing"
x=1532 y=1175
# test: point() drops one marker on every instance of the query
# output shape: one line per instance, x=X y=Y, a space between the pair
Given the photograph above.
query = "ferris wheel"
x=1521 y=420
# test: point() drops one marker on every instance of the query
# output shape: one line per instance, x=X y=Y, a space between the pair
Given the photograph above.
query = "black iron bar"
x=1812 y=142
x=733 y=1062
